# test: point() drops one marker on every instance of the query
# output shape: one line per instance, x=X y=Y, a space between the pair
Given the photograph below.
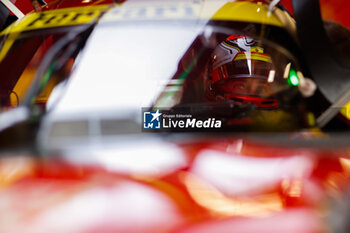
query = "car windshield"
x=126 y=69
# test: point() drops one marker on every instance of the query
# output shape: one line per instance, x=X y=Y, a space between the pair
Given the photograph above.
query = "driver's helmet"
x=243 y=71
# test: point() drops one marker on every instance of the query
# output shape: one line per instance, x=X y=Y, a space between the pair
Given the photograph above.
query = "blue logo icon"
x=151 y=120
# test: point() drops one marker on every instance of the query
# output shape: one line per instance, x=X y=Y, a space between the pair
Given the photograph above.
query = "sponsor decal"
x=170 y=120
x=57 y=18
x=191 y=10
x=153 y=11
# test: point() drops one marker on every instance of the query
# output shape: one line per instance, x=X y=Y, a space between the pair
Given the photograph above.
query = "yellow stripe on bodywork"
x=246 y=12
x=7 y=46
x=50 y=19
x=57 y=18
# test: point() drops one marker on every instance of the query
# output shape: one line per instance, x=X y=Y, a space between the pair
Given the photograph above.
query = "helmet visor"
x=252 y=74
x=245 y=64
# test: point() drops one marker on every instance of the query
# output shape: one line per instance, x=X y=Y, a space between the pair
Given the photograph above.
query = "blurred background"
x=335 y=10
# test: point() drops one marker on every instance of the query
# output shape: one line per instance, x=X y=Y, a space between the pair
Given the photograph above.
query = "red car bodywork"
x=231 y=185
